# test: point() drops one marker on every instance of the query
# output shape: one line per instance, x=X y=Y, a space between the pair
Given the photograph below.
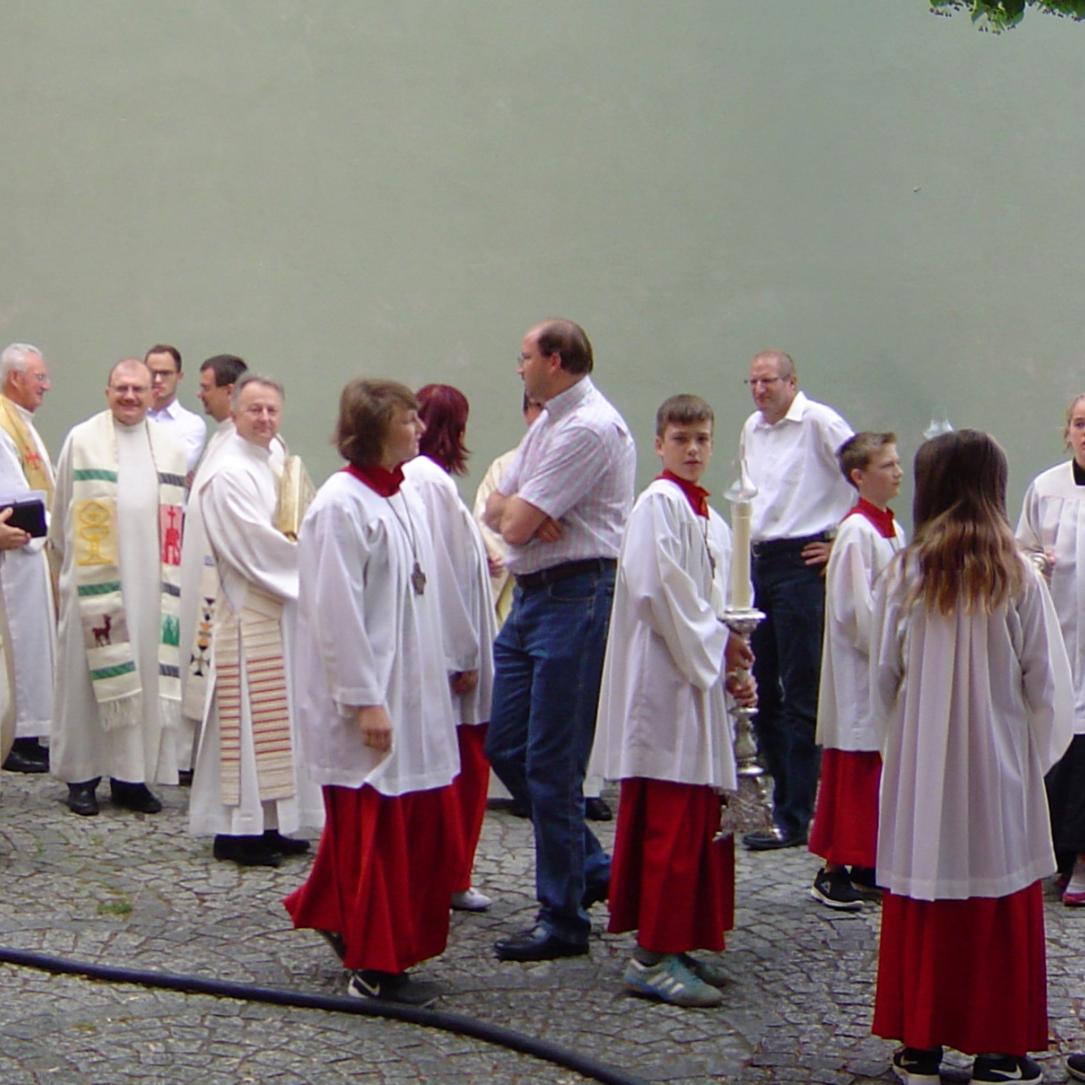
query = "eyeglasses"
x=161 y=375
x=129 y=389
x=753 y=382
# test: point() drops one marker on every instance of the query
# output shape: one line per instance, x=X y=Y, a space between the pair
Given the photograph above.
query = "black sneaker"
x=1076 y=1065
x=834 y=889
x=864 y=882
x=1019 y=1069
x=916 y=1066
x=392 y=987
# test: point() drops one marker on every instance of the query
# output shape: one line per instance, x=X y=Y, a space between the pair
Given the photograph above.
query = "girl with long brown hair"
x=971 y=677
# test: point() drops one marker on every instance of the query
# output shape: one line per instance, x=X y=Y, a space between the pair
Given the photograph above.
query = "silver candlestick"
x=742 y=618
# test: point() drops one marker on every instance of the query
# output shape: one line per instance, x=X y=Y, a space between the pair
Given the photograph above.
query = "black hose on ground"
x=448 y=1022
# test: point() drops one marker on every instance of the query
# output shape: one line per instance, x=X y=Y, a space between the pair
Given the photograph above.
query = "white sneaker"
x=470 y=900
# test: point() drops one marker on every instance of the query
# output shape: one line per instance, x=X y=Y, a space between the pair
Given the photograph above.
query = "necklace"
x=418 y=577
x=708 y=549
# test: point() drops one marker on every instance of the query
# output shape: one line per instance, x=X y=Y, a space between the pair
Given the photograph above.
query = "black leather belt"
x=780 y=547
x=563 y=571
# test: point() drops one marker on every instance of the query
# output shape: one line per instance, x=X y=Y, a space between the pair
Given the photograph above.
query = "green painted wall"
x=401 y=188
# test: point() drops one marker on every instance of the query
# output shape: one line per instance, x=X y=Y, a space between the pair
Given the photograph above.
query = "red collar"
x=882 y=519
x=696 y=495
x=378 y=478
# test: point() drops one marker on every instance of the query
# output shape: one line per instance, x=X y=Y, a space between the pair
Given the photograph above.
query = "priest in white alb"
x=199 y=581
x=25 y=581
x=116 y=527
x=246 y=789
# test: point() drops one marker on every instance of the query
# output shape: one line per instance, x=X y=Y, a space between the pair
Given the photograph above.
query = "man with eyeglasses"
x=788 y=449
x=116 y=527
x=25 y=583
x=187 y=427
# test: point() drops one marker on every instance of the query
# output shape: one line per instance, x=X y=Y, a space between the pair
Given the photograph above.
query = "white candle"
x=741 y=592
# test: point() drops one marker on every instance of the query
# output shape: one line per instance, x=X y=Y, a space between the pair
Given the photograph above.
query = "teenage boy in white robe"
x=663 y=726
x=845 y=828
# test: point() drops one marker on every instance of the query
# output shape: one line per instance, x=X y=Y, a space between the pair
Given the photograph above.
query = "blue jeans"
x=548 y=662
x=787 y=645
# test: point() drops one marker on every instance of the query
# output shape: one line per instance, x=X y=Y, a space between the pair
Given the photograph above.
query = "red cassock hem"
x=470 y=791
x=845 y=827
x=670 y=880
x=382 y=875
x=970 y=974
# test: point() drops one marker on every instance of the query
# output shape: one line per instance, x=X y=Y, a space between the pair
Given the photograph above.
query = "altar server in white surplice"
x=375 y=714
x=467 y=609
x=25 y=580
x=663 y=726
x=246 y=789
x=1052 y=530
x=199 y=580
x=116 y=526
x=969 y=673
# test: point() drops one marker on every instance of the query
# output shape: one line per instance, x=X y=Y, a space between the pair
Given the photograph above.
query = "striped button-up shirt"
x=576 y=464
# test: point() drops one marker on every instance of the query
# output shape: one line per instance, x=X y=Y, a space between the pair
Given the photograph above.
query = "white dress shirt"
x=187 y=427
x=800 y=490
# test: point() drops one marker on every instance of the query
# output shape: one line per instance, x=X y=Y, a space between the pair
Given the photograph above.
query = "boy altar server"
x=663 y=728
x=845 y=829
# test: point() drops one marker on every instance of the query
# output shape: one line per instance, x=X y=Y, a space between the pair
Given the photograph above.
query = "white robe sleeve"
x=243 y=537
x=849 y=593
x=665 y=597
x=888 y=631
x=1045 y=673
x=344 y=556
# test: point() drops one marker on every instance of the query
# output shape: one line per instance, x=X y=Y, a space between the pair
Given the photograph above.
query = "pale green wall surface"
x=332 y=188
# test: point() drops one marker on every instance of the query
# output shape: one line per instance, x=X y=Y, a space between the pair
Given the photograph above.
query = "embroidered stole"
x=38 y=475
x=94 y=529
x=254 y=635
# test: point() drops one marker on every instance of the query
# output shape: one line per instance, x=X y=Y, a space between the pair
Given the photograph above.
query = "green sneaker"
x=708 y=971
x=671 y=981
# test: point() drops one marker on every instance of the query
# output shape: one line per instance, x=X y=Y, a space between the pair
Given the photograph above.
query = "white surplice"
x=27 y=589
x=365 y=637
x=1053 y=519
x=860 y=553
x=495 y=545
x=462 y=581
x=80 y=749
x=662 y=707
x=237 y=501
x=977 y=708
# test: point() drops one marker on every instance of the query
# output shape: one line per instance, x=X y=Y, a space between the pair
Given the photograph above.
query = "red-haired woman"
x=463 y=585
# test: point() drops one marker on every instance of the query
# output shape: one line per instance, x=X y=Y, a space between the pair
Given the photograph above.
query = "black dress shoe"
x=598 y=809
x=82 y=798
x=284 y=845
x=137 y=797
x=537 y=944
x=771 y=839
x=27 y=755
x=595 y=894
x=245 y=851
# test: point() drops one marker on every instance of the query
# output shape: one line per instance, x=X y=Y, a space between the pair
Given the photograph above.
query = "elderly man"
x=187 y=427
x=246 y=788
x=25 y=581
x=117 y=528
x=561 y=507
x=199 y=580
x=788 y=447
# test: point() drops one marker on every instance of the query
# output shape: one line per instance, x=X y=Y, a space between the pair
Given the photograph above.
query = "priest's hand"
x=375 y=726
x=11 y=538
x=463 y=681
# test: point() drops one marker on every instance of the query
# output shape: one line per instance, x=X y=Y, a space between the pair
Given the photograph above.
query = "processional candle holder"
x=742 y=618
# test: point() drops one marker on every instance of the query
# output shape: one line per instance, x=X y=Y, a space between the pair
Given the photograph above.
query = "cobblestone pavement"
x=137 y=891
